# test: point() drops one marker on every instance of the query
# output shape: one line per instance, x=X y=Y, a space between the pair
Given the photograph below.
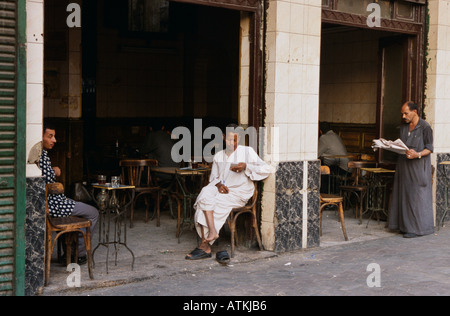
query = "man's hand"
x=239 y=167
x=222 y=188
x=412 y=154
x=57 y=171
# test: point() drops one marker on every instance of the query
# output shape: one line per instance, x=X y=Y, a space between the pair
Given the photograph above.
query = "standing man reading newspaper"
x=411 y=209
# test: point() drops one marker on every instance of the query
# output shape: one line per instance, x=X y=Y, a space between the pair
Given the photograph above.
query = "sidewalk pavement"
x=373 y=256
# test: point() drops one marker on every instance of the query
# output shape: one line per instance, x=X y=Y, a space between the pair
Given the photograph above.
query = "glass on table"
x=115 y=181
x=101 y=179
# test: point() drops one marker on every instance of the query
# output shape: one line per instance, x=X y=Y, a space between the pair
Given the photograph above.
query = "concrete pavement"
x=374 y=262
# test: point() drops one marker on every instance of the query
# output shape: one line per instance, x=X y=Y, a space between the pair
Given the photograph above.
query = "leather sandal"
x=223 y=257
x=197 y=254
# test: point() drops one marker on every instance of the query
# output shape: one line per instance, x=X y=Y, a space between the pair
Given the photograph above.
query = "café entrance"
x=367 y=73
x=140 y=64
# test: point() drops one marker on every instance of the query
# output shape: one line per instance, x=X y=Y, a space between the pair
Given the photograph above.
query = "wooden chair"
x=137 y=172
x=331 y=199
x=357 y=189
x=250 y=208
x=70 y=225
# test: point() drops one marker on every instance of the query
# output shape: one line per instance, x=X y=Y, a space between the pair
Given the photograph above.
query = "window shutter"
x=8 y=57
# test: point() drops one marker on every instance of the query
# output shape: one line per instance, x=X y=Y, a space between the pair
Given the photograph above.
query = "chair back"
x=324 y=170
x=51 y=188
x=137 y=171
x=254 y=198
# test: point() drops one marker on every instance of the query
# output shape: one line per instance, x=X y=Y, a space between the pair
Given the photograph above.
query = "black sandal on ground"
x=223 y=257
x=197 y=254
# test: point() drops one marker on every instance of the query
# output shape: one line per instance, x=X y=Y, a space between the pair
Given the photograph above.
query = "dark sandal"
x=198 y=253
x=223 y=257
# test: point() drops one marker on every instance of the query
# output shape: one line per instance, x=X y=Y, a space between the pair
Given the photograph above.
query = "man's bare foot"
x=212 y=236
x=201 y=252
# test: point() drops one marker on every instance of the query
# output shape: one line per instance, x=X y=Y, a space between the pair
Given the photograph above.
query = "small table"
x=376 y=195
x=182 y=192
x=447 y=183
x=110 y=209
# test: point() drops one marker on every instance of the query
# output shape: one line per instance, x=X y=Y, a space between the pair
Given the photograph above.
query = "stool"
x=331 y=199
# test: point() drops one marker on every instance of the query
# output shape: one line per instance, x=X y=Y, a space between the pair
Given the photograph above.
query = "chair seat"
x=70 y=222
x=331 y=198
x=354 y=187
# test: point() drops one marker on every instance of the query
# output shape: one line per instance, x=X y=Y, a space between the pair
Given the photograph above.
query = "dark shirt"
x=158 y=145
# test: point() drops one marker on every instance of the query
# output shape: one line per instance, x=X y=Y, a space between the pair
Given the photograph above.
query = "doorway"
x=393 y=91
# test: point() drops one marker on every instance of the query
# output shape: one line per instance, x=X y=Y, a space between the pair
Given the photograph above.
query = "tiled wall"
x=35 y=236
x=442 y=184
x=35 y=78
x=438 y=96
x=35 y=210
x=292 y=105
x=438 y=74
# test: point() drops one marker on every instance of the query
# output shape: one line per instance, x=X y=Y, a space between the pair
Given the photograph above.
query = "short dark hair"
x=48 y=126
x=324 y=127
x=413 y=106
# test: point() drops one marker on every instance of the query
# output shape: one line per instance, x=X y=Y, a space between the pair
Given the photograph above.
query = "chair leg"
x=147 y=206
x=178 y=219
x=132 y=214
x=68 y=249
x=232 y=225
x=320 y=219
x=87 y=243
x=258 y=236
x=48 y=240
x=158 y=200
x=341 y=215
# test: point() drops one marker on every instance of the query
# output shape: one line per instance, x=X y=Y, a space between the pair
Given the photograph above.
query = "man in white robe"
x=230 y=186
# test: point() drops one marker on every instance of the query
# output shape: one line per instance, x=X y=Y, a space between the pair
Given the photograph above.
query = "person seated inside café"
x=333 y=153
x=158 y=145
x=59 y=205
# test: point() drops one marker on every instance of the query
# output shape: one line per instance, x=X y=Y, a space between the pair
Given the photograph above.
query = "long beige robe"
x=240 y=185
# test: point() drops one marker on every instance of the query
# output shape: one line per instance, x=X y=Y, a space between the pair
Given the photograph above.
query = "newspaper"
x=396 y=146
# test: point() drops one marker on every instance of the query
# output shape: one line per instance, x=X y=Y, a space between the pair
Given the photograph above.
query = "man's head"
x=232 y=136
x=324 y=127
x=410 y=112
x=48 y=137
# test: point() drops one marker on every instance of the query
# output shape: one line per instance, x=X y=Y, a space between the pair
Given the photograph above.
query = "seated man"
x=59 y=205
x=158 y=145
x=330 y=144
x=230 y=186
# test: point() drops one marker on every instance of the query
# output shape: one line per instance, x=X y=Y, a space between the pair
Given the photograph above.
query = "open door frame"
x=412 y=75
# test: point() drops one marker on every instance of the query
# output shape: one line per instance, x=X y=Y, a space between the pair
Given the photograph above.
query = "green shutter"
x=8 y=119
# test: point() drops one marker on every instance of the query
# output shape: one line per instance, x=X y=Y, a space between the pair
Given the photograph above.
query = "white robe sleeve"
x=257 y=169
